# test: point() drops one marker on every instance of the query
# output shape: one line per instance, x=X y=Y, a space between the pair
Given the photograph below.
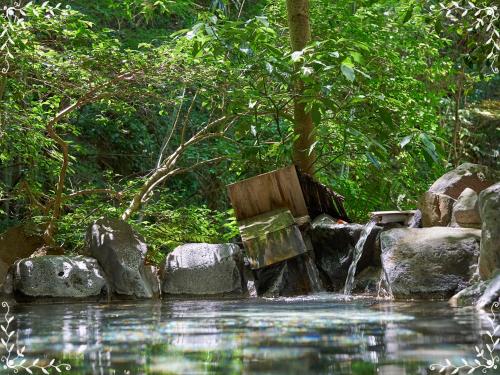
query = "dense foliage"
x=97 y=96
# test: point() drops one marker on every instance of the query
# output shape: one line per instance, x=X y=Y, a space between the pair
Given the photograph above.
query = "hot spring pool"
x=303 y=335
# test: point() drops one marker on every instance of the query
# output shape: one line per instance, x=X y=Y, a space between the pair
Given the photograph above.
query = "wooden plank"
x=274 y=247
x=385 y=217
x=259 y=226
x=268 y=192
x=320 y=199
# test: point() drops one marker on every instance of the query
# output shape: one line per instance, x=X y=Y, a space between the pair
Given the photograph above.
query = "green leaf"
x=429 y=147
x=269 y=67
x=311 y=148
x=316 y=114
x=362 y=73
x=408 y=13
x=438 y=26
x=297 y=55
x=356 y=56
x=373 y=160
x=348 y=72
x=386 y=116
x=427 y=142
x=405 y=141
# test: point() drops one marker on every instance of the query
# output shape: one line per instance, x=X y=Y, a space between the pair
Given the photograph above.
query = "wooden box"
x=271 y=238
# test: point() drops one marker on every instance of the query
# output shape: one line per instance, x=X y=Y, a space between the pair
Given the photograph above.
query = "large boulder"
x=429 y=262
x=56 y=276
x=334 y=246
x=416 y=220
x=121 y=253
x=437 y=203
x=368 y=280
x=489 y=206
x=481 y=294
x=436 y=209
x=491 y=294
x=292 y=277
x=470 y=295
x=466 y=210
x=203 y=269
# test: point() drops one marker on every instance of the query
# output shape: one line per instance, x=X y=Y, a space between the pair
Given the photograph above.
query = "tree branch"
x=88 y=97
x=92 y=191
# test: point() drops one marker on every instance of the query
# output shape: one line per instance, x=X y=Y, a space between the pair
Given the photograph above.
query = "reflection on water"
x=315 y=334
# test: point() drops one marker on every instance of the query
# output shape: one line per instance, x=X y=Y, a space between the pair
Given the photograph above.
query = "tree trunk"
x=300 y=35
x=456 y=146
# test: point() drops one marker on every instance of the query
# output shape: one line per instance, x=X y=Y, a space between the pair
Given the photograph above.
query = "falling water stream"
x=313 y=273
x=358 y=251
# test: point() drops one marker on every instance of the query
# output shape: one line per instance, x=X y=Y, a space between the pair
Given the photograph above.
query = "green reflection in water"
x=318 y=334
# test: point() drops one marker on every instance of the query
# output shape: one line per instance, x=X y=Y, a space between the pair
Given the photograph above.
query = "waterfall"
x=358 y=251
x=313 y=273
x=384 y=290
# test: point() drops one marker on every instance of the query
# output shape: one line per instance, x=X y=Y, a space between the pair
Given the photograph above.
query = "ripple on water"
x=322 y=333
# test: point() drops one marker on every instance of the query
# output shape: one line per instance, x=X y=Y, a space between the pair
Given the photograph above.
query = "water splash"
x=358 y=251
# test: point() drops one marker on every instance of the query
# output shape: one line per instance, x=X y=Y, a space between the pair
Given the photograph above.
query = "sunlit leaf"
x=348 y=72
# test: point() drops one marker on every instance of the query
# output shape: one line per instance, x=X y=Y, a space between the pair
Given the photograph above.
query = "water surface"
x=304 y=335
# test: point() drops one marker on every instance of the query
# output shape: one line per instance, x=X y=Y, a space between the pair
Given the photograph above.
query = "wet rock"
x=121 y=253
x=203 y=269
x=249 y=280
x=437 y=203
x=466 y=210
x=491 y=294
x=429 y=262
x=416 y=220
x=56 y=276
x=334 y=248
x=292 y=277
x=151 y=274
x=481 y=294
x=470 y=295
x=489 y=206
x=368 y=280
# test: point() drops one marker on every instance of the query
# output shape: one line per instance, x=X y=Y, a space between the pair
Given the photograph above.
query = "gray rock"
x=429 y=262
x=151 y=274
x=436 y=209
x=489 y=206
x=466 y=210
x=292 y=277
x=481 y=294
x=121 y=253
x=416 y=220
x=368 y=280
x=470 y=295
x=203 y=269
x=56 y=276
x=491 y=293
x=334 y=249
x=437 y=203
